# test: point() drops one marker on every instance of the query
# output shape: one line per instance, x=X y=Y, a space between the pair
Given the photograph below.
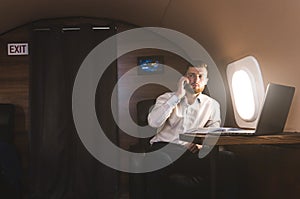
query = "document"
x=211 y=130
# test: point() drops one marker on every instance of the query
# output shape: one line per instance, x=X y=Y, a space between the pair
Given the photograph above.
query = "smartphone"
x=188 y=88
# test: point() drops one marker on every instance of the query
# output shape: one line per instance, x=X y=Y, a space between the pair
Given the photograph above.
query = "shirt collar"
x=200 y=97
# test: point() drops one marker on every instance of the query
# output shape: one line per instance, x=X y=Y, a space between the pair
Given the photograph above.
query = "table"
x=216 y=141
x=282 y=138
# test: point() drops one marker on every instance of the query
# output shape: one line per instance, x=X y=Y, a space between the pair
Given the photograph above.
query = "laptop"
x=272 y=117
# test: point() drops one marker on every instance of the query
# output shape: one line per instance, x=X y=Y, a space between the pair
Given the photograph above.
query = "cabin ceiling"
x=190 y=16
x=231 y=25
x=220 y=21
x=228 y=30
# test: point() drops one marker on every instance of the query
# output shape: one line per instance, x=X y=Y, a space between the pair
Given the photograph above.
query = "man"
x=187 y=108
x=174 y=113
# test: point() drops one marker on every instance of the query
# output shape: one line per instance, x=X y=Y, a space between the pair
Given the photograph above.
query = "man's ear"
x=205 y=81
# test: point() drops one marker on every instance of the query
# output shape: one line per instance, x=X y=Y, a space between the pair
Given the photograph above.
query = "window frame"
x=251 y=66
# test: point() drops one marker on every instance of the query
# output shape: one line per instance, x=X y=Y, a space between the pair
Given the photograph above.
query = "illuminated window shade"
x=243 y=95
x=246 y=88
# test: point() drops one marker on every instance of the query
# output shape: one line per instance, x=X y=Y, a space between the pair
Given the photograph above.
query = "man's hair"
x=199 y=65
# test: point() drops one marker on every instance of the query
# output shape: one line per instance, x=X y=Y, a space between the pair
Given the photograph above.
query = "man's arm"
x=165 y=104
x=162 y=109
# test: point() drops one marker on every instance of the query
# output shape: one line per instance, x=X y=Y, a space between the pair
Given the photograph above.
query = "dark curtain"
x=60 y=166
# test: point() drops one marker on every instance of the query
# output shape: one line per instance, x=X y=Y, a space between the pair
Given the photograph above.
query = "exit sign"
x=17 y=49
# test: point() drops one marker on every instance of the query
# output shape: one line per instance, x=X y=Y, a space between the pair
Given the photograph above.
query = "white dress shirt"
x=172 y=116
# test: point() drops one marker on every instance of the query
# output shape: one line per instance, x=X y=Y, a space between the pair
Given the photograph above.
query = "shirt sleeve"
x=162 y=109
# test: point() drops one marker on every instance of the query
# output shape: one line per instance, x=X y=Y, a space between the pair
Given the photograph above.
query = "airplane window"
x=243 y=95
x=246 y=90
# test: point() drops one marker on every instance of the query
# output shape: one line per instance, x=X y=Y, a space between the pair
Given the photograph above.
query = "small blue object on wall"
x=149 y=65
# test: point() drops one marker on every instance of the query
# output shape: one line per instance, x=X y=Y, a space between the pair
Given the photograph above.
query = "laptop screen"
x=275 y=109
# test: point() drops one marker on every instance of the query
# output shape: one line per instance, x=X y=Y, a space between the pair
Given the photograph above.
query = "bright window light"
x=246 y=88
x=243 y=95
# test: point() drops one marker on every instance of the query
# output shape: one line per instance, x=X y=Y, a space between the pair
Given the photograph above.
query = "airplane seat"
x=7 y=122
x=179 y=185
x=10 y=169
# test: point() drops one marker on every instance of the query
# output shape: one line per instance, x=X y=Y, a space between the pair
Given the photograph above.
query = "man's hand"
x=180 y=90
x=194 y=148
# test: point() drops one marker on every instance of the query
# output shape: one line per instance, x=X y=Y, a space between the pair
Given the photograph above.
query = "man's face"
x=198 y=78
